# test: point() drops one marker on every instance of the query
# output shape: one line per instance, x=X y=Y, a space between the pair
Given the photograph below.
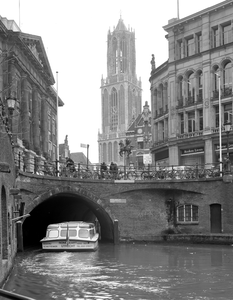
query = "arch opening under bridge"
x=64 y=204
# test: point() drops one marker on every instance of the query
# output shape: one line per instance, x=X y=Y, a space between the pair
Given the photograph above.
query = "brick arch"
x=103 y=215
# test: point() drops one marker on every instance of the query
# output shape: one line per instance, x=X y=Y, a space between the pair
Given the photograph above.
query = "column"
x=25 y=112
x=44 y=126
x=35 y=121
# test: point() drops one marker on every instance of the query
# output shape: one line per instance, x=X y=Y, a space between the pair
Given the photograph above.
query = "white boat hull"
x=71 y=246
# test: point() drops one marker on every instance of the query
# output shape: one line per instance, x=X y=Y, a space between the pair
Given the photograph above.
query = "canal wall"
x=217 y=239
x=8 y=241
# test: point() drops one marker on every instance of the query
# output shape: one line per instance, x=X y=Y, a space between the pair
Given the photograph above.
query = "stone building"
x=139 y=133
x=28 y=125
x=120 y=92
x=187 y=103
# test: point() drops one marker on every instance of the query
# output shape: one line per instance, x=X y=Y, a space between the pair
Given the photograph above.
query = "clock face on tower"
x=139 y=130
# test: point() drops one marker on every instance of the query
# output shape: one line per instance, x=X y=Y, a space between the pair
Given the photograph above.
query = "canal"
x=126 y=271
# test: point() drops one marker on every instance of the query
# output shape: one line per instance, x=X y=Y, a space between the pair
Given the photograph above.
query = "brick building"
x=186 y=99
x=120 y=92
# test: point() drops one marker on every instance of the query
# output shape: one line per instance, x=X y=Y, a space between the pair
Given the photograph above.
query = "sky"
x=74 y=34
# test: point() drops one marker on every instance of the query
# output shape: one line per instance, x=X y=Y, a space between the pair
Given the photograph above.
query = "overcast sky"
x=74 y=34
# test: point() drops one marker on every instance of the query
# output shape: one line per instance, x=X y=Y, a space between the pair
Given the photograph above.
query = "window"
x=198 y=42
x=83 y=233
x=114 y=110
x=191 y=121
x=226 y=34
x=52 y=233
x=228 y=113
x=140 y=145
x=114 y=51
x=180 y=49
x=189 y=46
x=123 y=52
x=227 y=80
x=216 y=116
x=182 y=123
x=187 y=213
x=200 y=113
x=72 y=233
x=214 y=37
x=200 y=87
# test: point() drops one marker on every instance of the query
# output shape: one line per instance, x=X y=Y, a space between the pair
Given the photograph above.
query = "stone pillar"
x=25 y=113
x=44 y=126
x=209 y=152
x=173 y=155
x=35 y=121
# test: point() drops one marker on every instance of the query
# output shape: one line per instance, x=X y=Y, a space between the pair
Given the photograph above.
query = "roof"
x=79 y=157
x=121 y=25
x=176 y=21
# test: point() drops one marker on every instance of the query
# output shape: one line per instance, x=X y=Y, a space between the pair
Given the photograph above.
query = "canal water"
x=126 y=271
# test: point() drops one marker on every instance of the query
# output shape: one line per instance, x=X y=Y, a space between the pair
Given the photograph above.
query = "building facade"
x=27 y=78
x=120 y=92
x=28 y=126
x=191 y=93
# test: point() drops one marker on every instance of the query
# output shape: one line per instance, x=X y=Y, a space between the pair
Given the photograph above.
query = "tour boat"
x=71 y=236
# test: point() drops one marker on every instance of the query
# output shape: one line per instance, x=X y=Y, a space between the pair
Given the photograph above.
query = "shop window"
x=187 y=213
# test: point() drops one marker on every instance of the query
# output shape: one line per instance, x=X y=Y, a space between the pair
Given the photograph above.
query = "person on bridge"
x=103 y=169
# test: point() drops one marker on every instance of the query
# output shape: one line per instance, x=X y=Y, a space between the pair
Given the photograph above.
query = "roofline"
x=197 y=14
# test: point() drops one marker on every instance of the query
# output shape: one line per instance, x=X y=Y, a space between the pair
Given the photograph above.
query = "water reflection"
x=136 y=272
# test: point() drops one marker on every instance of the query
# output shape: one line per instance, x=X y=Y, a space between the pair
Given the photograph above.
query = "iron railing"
x=94 y=172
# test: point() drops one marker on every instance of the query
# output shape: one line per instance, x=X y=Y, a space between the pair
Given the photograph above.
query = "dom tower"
x=120 y=93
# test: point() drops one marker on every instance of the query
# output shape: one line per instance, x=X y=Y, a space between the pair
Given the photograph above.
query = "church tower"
x=120 y=93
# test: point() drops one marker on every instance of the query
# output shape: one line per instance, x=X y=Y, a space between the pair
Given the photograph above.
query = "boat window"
x=83 y=233
x=72 y=232
x=53 y=233
x=91 y=233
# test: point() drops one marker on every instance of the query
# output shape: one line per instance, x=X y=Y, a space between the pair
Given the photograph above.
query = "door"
x=215 y=218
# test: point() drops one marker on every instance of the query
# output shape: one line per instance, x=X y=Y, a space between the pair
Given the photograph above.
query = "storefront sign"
x=192 y=151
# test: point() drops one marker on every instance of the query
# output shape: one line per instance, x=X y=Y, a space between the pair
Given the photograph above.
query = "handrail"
x=14 y=296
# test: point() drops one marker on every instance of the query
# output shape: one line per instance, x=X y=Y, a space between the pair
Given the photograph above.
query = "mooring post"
x=116 y=234
x=19 y=230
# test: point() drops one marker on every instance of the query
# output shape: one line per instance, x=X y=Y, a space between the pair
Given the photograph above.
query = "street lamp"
x=11 y=106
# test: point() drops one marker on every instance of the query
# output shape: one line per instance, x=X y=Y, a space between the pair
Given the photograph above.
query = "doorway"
x=215 y=218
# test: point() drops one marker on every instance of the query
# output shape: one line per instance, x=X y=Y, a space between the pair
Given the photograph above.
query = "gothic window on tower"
x=114 y=110
x=114 y=51
x=123 y=55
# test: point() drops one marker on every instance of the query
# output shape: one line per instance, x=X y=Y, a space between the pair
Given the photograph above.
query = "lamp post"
x=227 y=128
x=220 y=123
x=11 y=106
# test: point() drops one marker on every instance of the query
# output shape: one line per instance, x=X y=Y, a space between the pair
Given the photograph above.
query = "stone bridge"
x=144 y=209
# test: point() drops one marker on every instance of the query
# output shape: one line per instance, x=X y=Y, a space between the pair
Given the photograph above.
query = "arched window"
x=114 y=110
x=114 y=54
x=227 y=79
x=180 y=91
x=190 y=87
x=123 y=51
x=187 y=213
x=200 y=86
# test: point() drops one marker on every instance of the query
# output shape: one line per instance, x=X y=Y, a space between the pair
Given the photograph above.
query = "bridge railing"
x=150 y=172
